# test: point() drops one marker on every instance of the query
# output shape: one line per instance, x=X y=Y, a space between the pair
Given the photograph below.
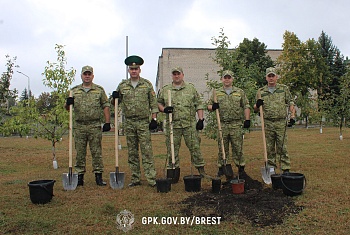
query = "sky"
x=101 y=33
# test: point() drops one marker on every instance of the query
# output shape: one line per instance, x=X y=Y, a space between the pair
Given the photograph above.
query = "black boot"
x=220 y=172
x=81 y=180
x=99 y=181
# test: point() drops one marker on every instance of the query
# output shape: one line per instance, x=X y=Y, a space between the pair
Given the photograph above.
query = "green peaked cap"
x=133 y=61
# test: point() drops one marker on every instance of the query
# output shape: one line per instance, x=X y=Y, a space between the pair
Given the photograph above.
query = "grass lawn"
x=322 y=158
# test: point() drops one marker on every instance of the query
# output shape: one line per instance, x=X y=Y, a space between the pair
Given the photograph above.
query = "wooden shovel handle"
x=171 y=131
x=116 y=135
x=263 y=129
x=219 y=127
x=70 y=132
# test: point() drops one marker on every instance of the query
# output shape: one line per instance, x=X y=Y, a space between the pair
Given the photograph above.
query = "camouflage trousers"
x=88 y=134
x=276 y=143
x=138 y=134
x=192 y=141
x=232 y=133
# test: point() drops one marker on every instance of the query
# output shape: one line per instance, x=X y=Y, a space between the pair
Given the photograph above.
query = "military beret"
x=133 y=61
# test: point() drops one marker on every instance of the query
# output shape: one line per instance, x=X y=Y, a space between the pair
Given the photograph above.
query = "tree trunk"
x=306 y=122
x=53 y=150
x=341 y=128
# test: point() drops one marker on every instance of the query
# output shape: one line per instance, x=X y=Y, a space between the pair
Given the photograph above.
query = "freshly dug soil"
x=261 y=206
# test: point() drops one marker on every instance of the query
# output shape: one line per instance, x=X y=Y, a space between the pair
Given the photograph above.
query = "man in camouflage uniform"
x=275 y=98
x=234 y=108
x=185 y=103
x=89 y=101
x=138 y=102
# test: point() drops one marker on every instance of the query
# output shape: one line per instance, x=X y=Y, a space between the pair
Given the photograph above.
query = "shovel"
x=266 y=171
x=70 y=180
x=116 y=179
x=174 y=173
x=226 y=168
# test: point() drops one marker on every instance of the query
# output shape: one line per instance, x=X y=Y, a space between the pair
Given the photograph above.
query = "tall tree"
x=336 y=67
x=24 y=95
x=252 y=54
x=331 y=80
x=299 y=66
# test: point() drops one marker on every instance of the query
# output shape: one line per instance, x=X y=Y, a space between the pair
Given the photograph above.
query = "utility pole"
x=127 y=54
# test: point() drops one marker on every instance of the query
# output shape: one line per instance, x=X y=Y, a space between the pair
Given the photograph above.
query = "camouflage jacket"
x=185 y=100
x=276 y=103
x=138 y=102
x=88 y=106
x=232 y=106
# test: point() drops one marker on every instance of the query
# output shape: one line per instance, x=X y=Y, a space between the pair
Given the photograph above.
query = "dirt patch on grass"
x=258 y=205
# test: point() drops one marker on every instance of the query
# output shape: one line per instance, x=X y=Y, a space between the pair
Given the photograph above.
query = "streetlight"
x=28 y=82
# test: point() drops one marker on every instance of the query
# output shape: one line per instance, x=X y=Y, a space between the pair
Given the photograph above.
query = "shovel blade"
x=70 y=181
x=173 y=174
x=116 y=180
x=266 y=173
x=227 y=169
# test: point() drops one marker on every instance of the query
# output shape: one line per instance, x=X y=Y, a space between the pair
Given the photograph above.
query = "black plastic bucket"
x=293 y=184
x=276 y=181
x=173 y=174
x=192 y=183
x=163 y=185
x=216 y=185
x=41 y=191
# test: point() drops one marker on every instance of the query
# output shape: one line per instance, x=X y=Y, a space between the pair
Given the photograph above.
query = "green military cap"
x=177 y=69
x=133 y=61
x=87 y=68
x=271 y=70
x=227 y=73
